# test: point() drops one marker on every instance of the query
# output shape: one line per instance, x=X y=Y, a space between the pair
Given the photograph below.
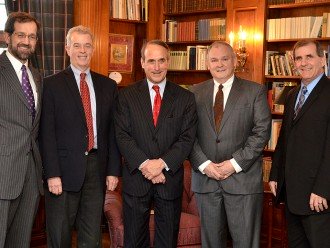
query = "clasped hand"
x=219 y=171
x=153 y=170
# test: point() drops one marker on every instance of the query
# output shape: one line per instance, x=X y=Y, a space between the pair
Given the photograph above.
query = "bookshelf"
x=189 y=27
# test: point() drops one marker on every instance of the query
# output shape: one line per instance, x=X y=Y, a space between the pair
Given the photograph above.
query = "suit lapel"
x=311 y=98
x=99 y=98
x=234 y=95
x=208 y=104
x=167 y=104
x=72 y=84
x=144 y=99
x=11 y=78
x=37 y=82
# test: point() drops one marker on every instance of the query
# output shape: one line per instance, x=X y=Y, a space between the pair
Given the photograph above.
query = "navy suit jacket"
x=138 y=139
x=63 y=129
x=301 y=163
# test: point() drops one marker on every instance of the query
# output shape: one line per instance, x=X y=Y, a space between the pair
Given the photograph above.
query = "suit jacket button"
x=86 y=153
x=218 y=141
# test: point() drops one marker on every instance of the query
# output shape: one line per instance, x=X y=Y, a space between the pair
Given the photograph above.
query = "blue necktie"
x=27 y=89
x=301 y=101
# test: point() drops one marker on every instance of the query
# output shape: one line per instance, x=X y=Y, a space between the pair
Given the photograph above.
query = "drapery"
x=56 y=18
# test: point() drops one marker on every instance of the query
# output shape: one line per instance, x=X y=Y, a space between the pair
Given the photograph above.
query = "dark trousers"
x=17 y=215
x=82 y=210
x=136 y=220
x=308 y=231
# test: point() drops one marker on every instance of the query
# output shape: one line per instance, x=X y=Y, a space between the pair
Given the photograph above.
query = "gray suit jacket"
x=18 y=135
x=244 y=131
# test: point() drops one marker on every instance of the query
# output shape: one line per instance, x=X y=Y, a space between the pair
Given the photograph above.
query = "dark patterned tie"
x=157 y=103
x=301 y=101
x=85 y=97
x=27 y=89
x=218 y=108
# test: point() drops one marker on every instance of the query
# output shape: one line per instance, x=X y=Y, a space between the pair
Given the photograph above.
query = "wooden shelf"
x=297 y=5
x=295 y=40
x=192 y=42
x=197 y=12
x=128 y=21
x=282 y=77
x=189 y=71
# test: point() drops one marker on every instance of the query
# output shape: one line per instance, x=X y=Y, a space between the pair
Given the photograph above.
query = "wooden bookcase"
x=194 y=14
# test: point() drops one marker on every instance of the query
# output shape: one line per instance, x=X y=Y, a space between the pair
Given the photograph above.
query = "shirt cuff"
x=203 y=166
x=141 y=165
x=166 y=167
x=235 y=165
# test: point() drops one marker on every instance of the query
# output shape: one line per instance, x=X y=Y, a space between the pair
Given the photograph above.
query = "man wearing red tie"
x=78 y=148
x=155 y=124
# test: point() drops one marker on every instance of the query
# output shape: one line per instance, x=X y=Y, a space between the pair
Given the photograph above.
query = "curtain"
x=56 y=18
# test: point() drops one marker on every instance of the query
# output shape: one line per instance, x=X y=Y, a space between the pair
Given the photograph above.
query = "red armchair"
x=189 y=232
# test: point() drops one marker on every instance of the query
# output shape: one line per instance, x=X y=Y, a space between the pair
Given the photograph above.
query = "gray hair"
x=78 y=29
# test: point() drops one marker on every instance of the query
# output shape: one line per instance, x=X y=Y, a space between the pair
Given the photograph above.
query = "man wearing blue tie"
x=301 y=164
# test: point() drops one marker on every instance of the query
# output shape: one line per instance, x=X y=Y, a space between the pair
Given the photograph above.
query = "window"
x=3 y=12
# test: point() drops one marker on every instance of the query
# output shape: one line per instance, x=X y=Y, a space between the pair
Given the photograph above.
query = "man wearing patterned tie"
x=233 y=128
x=78 y=148
x=20 y=105
x=155 y=130
x=301 y=165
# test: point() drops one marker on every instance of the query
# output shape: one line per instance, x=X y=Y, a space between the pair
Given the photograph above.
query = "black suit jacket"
x=63 y=129
x=139 y=140
x=301 y=163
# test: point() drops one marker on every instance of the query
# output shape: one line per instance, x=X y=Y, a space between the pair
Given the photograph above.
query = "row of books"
x=299 y=27
x=177 y=6
x=266 y=167
x=129 y=9
x=280 y=64
x=277 y=92
x=275 y=132
x=194 y=58
x=274 y=2
x=203 y=29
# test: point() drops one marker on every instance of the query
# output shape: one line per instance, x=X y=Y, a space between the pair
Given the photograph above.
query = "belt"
x=92 y=151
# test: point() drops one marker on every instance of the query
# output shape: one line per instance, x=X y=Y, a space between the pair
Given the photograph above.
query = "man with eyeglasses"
x=20 y=105
x=233 y=129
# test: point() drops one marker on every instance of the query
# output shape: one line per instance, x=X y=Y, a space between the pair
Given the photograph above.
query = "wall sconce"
x=240 y=49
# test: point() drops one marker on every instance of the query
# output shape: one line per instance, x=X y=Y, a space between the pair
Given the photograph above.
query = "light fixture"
x=240 y=49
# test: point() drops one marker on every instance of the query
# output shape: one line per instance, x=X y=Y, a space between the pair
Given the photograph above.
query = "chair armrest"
x=113 y=209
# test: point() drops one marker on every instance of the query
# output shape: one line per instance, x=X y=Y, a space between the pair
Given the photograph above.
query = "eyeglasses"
x=22 y=36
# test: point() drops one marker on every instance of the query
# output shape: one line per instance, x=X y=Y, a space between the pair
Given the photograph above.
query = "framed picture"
x=121 y=52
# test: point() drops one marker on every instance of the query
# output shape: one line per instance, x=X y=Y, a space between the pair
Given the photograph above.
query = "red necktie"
x=218 y=107
x=157 y=103
x=84 y=92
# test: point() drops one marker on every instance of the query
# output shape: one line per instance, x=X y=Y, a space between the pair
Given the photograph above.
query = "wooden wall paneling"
x=95 y=15
x=155 y=19
x=251 y=15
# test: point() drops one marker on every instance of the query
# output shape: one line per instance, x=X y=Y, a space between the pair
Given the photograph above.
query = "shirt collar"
x=77 y=72
x=226 y=84
x=17 y=64
x=161 y=85
x=312 y=84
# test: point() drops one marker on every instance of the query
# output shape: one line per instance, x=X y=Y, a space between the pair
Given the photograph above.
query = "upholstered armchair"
x=189 y=233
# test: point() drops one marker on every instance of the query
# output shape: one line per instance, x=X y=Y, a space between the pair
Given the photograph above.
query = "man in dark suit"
x=233 y=128
x=300 y=173
x=155 y=130
x=20 y=105
x=78 y=145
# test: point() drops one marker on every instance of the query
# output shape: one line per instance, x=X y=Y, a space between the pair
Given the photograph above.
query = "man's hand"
x=273 y=187
x=111 y=182
x=152 y=168
x=317 y=203
x=212 y=171
x=226 y=169
x=55 y=185
x=159 y=179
